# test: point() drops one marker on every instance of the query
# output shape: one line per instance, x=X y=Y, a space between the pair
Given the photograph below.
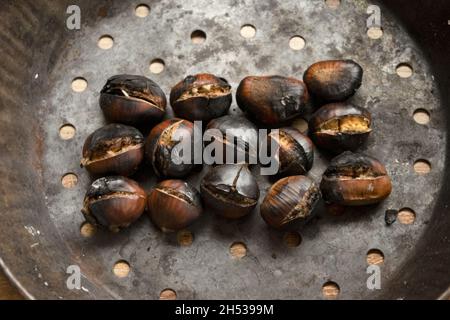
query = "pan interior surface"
x=49 y=105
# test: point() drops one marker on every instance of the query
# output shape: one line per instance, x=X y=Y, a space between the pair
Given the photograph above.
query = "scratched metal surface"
x=47 y=222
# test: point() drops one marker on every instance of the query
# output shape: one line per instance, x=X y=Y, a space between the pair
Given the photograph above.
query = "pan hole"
x=67 y=132
x=421 y=116
x=88 y=230
x=238 y=250
x=69 y=180
x=333 y=4
x=300 y=124
x=79 y=84
x=406 y=216
x=292 y=239
x=248 y=31
x=168 y=294
x=422 y=167
x=375 y=33
x=157 y=66
x=297 y=43
x=404 y=70
x=375 y=256
x=330 y=290
x=185 y=238
x=142 y=11
x=105 y=42
x=198 y=37
x=121 y=269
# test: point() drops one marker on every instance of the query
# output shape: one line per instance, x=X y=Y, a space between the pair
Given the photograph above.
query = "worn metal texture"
x=40 y=232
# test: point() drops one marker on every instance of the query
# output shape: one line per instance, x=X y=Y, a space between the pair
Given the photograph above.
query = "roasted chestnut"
x=289 y=199
x=114 y=148
x=173 y=205
x=238 y=137
x=333 y=80
x=354 y=179
x=201 y=97
x=295 y=154
x=114 y=202
x=272 y=100
x=230 y=190
x=163 y=149
x=339 y=127
x=132 y=100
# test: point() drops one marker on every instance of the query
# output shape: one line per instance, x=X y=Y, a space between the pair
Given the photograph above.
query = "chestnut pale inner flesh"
x=207 y=91
x=111 y=148
x=346 y=124
x=303 y=208
x=134 y=95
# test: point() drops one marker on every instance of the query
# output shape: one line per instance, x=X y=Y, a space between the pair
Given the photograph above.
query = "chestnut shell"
x=132 y=99
x=354 y=179
x=272 y=100
x=173 y=205
x=114 y=148
x=333 y=80
x=114 y=202
x=230 y=190
x=204 y=105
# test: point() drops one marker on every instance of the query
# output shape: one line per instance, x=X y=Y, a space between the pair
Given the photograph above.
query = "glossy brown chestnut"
x=173 y=205
x=202 y=97
x=295 y=154
x=114 y=148
x=230 y=190
x=132 y=100
x=338 y=127
x=289 y=199
x=272 y=100
x=160 y=148
x=114 y=202
x=354 y=179
x=333 y=80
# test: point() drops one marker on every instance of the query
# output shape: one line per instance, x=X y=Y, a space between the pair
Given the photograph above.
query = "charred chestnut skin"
x=204 y=104
x=162 y=141
x=295 y=151
x=174 y=205
x=290 y=199
x=355 y=179
x=114 y=202
x=333 y=80
x=114 y=148
x=272 y=100
x=132 y=100
x=344 y=140
x=230 y=190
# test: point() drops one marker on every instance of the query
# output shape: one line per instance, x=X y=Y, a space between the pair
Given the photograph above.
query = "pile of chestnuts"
x=231 y=190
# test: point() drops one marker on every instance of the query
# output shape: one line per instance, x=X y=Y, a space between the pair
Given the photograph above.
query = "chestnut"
x=114 y=202
x=295 y=154
x=355 y=179
x=162 y=149
x=237 y=135
x=340 y=126
x=201 y=97
x=272 y=100
x=230 y=190
x=333 y=80
x=289 y=199
x=173 y=205
x=131 y=99
x=114 y=148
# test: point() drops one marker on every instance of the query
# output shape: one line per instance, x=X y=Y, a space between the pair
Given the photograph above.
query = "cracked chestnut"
x=114 y=202
x=290 y=199
x=338 y=127
x=173 y=205
x=230 y=190
x=333 y=80
x=114 y=148
x=201 y=97
x=131 y=99
x=355 y=179
x=163 y=148
x=272 y=100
